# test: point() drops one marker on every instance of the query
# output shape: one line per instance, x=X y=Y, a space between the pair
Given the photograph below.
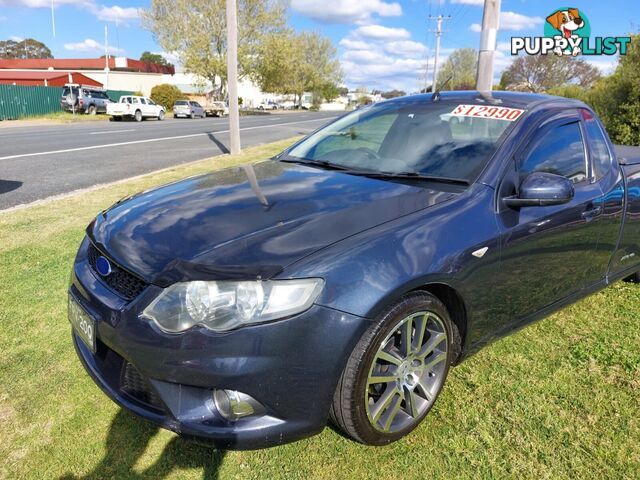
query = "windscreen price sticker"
x=484 y=111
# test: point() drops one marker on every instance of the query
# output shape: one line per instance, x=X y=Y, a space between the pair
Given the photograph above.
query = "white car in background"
x=136 y=107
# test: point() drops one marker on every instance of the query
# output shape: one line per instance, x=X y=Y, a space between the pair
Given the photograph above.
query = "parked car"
x=216 y=109
x=268 y=106
x=343 y=277
x=83 y=99
x=136 y=107
x=188 y=108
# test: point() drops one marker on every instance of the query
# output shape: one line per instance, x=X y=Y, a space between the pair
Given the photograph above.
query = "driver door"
x=546 y=250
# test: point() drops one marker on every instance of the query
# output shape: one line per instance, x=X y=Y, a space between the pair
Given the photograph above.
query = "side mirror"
x=540 y=189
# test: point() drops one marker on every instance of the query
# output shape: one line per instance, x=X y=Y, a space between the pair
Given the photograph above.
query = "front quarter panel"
x=368 y=272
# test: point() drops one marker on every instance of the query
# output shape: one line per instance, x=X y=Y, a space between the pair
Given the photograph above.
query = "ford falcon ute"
x=340 y=280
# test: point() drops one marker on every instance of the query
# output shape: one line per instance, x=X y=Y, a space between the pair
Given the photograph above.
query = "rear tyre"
x=138 y=116
x=396 y=371
x=192 y=116
x=92 y=110
x=633 y=278
x=116 y=118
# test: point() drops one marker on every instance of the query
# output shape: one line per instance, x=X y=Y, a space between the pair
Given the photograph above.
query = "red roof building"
x=115 y=64
x=45 y=78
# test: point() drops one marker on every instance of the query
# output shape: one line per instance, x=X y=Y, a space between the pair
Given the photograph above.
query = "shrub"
x=166 y=95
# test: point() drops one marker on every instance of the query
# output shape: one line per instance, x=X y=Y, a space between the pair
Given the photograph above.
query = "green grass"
x=559 y=399
x=62 y=117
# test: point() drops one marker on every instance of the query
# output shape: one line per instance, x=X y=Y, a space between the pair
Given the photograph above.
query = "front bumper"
x=290 y=366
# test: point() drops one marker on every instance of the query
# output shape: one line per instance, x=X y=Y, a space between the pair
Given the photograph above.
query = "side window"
x=559 y=151
x=601 y=157
x=134 y=100
x=143 y=101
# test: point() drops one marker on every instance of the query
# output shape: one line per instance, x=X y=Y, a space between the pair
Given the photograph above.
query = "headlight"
x=223 y=306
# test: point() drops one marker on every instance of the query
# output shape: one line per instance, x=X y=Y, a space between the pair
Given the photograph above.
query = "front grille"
x=119 y=280
x=135 y=385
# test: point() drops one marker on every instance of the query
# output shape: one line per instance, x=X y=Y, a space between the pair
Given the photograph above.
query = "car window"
x=559 y=151
x=150 y=102
x=181 y=102
x=601 y=157
x=143 y=101
x=369 y=135
x=134 y=100
x=397 y=137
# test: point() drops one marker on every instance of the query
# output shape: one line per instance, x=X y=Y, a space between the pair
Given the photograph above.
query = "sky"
x=381 y=44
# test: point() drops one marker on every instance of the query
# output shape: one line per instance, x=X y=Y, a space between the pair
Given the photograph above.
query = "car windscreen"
x=181 y=102
x=437 y=139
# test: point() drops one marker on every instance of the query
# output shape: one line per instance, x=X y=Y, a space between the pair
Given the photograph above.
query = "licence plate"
x=83 y=324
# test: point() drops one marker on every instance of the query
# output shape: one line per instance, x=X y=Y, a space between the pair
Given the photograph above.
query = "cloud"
x=383 y=58
x=170 y=57
x=16 y=38
x=405 y=48
x=108 y=14
x=512 y=21
x=117 y=14
x=345 y=11
x=378 y=32
x=605 y=65
x=364 y=57
x=517 y=21
x=90 y=45
x=479 y=3
x=355 y=44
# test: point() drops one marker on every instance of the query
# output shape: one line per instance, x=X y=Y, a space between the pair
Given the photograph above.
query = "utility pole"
x=490 y=24
x=232 y=77
x=438 y=31
x=106 y=56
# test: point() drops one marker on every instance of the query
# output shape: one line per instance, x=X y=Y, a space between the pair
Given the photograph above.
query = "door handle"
x=590 y=214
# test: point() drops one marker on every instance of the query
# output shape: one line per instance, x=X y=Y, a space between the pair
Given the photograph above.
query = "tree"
x=539 y=73
x=291 y=63
x=196 y=31
x=461 y=68
x=166 y=95
x=156 y=58
x=27 y=48
x=393 y=93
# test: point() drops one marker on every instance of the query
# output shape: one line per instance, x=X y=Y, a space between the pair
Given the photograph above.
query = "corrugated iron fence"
x=18 y=101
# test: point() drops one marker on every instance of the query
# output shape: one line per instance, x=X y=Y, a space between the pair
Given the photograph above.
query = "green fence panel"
x=114 y=95
x=18 y=101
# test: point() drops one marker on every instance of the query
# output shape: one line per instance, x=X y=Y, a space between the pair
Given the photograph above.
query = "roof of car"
x=514 y=99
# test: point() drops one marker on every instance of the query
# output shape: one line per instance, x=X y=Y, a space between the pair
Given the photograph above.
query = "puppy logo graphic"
x=567 y=31
x=567 y=22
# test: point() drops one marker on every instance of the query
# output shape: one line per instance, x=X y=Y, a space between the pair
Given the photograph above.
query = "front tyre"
x=396 y=371
x=161 y=115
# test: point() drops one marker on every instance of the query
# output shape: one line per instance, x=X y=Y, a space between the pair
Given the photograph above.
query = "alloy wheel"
x=407 y=372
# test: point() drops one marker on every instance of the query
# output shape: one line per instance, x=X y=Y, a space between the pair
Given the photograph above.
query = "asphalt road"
x=37 y=162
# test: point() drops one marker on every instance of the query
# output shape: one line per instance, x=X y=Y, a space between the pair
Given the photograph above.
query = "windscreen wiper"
x=314 y=163
x=375 y=173
x=411 y=176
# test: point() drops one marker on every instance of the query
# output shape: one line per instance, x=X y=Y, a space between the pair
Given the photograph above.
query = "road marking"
x=149 y=140
x=112 y=131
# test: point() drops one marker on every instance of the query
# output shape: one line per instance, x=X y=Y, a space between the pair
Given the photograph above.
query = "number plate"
x=83 y=324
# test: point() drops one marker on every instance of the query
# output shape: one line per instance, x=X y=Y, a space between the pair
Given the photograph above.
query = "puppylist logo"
x=567 y=31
